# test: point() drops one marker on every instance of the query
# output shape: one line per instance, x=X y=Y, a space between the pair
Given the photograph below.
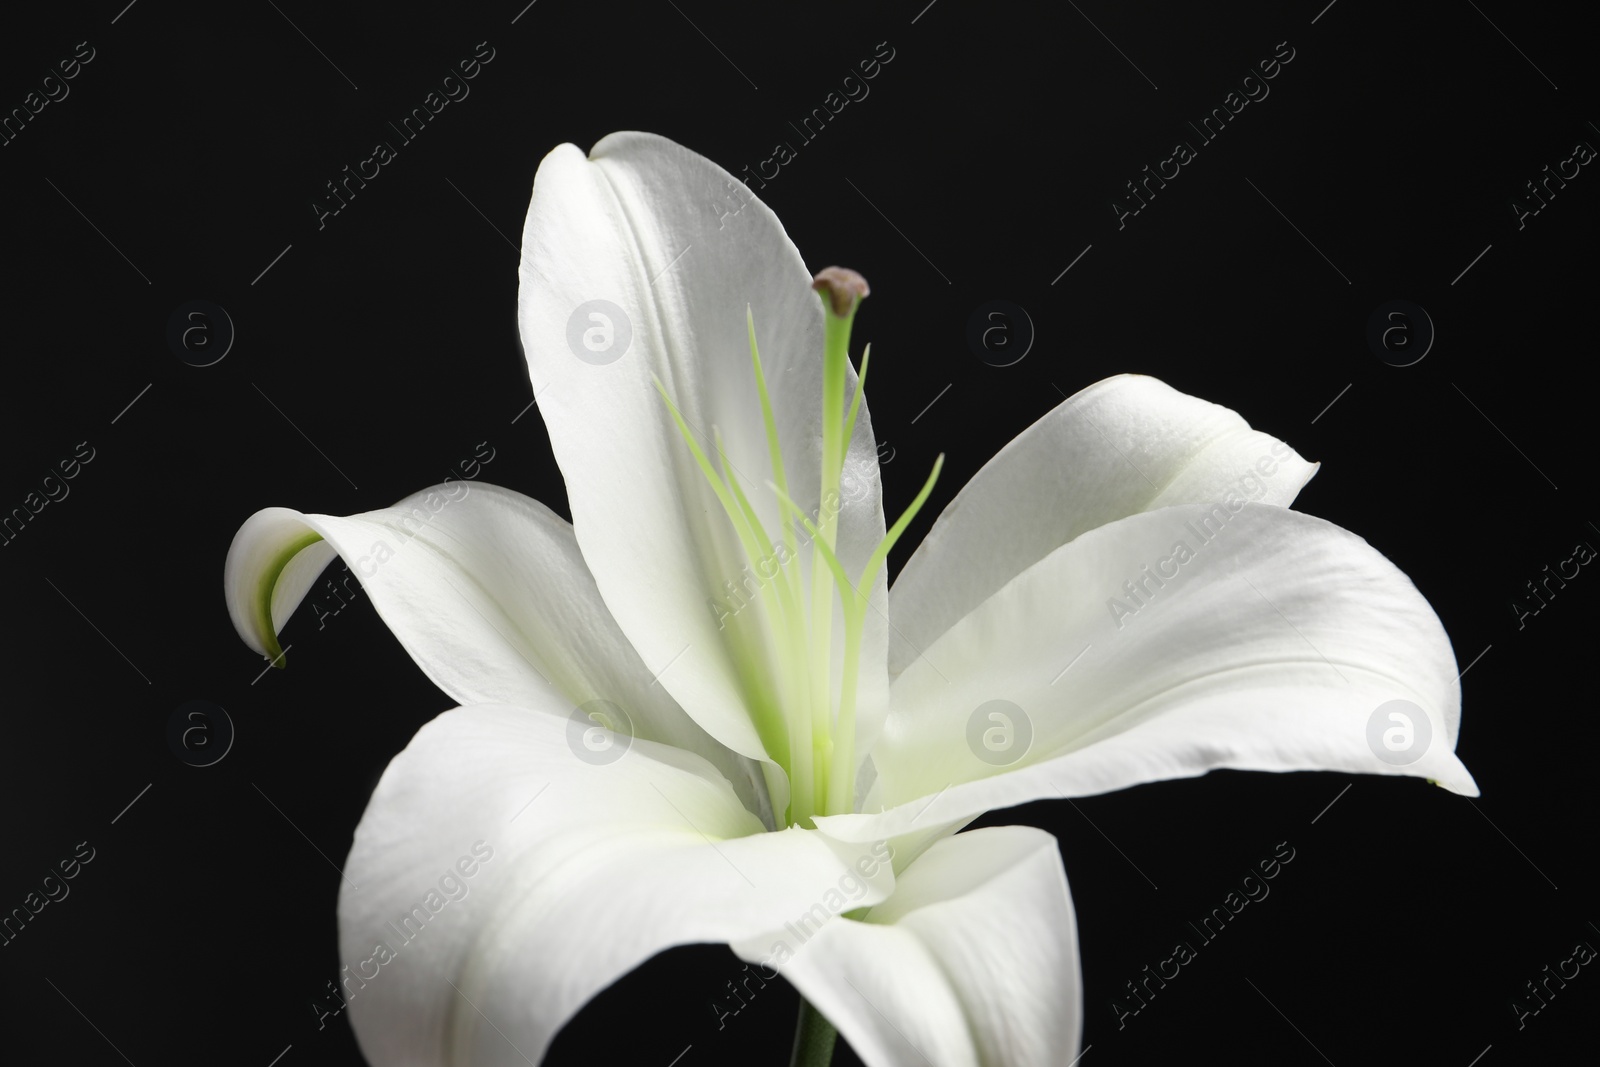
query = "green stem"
x=814 y=1036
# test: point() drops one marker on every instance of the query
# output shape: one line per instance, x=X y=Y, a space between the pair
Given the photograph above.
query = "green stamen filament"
x=855 y=401
x=800 y=681
x=774 y=451
x=855 y=604
x=791 y=623
x=769 y=720
x=787 y=678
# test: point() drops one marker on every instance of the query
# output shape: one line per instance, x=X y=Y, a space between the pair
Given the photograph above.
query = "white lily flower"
x=1121 y=595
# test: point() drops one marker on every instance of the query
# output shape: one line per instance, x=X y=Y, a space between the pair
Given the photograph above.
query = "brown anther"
x=842 y=287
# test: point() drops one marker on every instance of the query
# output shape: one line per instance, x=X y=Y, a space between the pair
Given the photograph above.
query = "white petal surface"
x=972 y=962
x=591 y=868
x=678 y=247
x=1272 y=648
x=1123 y=445
x=488 y=593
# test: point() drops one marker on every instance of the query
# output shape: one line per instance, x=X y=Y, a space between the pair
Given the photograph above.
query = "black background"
x=995 y=140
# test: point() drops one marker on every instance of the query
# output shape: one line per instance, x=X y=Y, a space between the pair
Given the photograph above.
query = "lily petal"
x=1274 y=647
x=678 y=248
x=491 y=854
x=972 y=962
x=488 y=593
x=1123 y=445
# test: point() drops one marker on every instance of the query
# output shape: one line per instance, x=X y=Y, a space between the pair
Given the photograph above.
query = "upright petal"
x=498 y=880
x=971 y=962
x=1162 y=646
x=1121 y=446
x=638 y=264
x=488 y=593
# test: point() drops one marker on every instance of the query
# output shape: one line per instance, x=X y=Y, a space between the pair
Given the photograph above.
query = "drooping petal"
x=971 y=962
x=500 y=877
x=488 y=593
x=1123 y=445
x=638 y=263
x=1162 y=646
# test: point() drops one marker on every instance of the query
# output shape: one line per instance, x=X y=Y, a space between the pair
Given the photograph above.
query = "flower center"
x=784 y=652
